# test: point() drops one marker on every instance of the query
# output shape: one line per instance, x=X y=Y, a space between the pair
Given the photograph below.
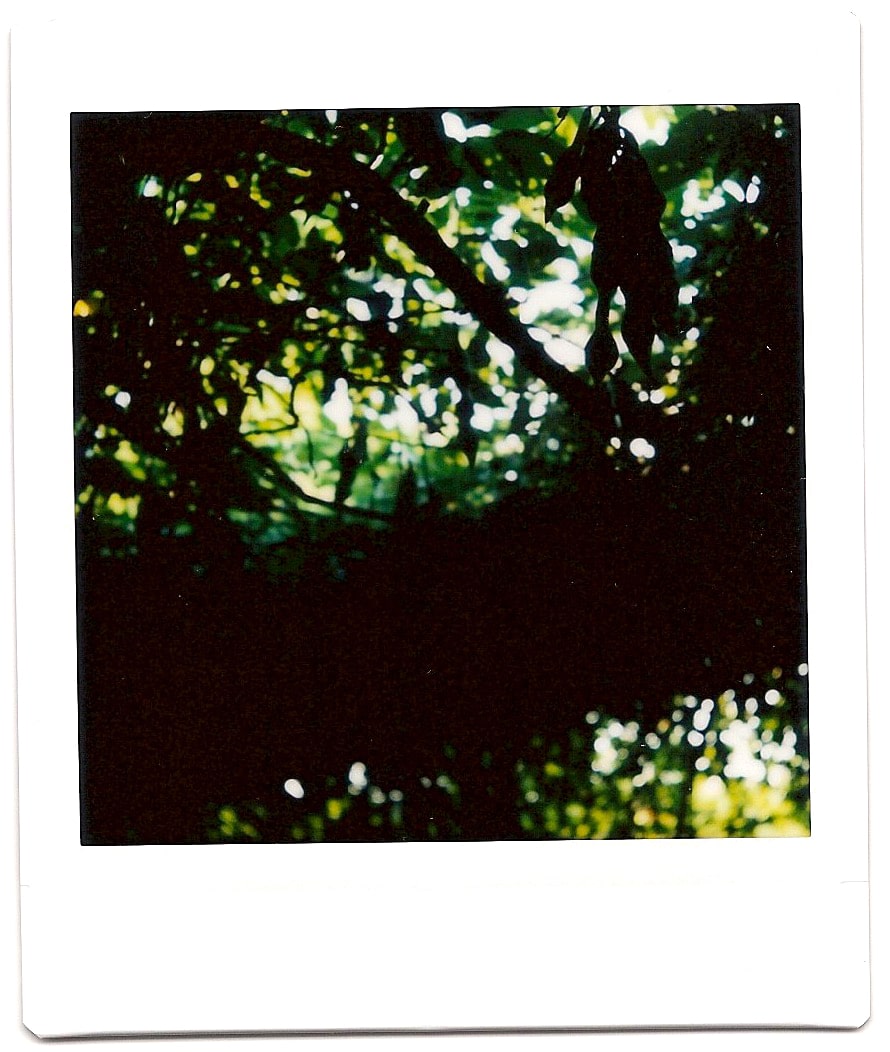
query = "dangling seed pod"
x=630 y=251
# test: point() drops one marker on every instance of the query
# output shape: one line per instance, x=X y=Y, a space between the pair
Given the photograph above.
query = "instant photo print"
x=432 y=556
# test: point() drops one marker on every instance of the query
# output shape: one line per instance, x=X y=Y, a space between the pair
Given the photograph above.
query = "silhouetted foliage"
x=350 y=501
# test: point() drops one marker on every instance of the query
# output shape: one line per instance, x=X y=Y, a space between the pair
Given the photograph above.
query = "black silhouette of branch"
x=175 y=145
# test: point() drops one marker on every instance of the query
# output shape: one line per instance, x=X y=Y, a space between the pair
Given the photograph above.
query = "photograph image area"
x=439 y=474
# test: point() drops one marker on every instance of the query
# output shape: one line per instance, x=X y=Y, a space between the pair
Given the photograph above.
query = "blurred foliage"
x=332 y=419
x=731 y=766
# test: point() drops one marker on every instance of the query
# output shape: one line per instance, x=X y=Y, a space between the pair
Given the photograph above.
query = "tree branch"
x=486 y=302
x=285 y=485
x=178 y=144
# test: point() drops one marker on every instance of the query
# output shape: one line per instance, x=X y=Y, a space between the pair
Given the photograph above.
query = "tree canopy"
x=442 y=469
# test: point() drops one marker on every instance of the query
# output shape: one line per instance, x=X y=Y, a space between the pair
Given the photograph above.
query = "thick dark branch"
x=486 y=302
x=178 y=144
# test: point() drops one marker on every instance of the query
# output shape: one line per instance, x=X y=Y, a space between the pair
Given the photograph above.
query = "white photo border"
x=274 y=938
